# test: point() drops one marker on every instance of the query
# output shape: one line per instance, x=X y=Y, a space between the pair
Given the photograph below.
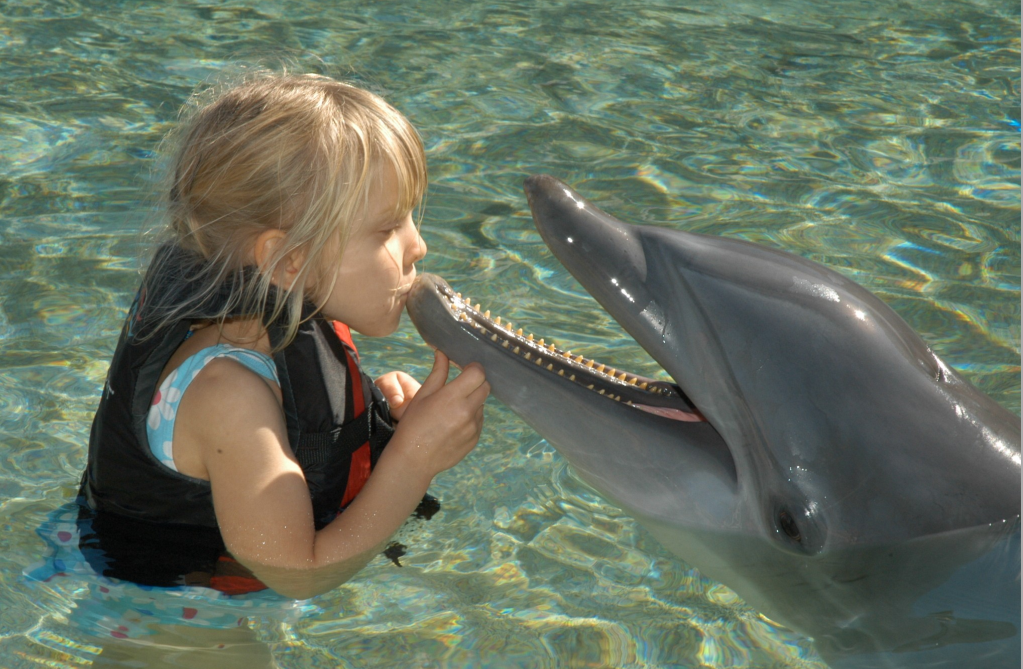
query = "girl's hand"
x=443 y=421
x=398 y=388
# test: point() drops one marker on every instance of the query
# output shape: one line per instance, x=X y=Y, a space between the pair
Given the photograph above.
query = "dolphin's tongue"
x=673 y=414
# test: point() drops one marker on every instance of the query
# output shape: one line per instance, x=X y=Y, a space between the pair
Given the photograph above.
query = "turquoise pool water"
x=887 y=148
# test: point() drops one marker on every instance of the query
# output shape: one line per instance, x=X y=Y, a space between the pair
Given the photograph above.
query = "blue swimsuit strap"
x=164 y=409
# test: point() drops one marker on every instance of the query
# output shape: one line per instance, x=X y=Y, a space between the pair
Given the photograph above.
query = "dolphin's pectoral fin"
x=650 y=395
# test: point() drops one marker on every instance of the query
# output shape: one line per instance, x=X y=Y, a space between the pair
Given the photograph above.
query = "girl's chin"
x=380 y=328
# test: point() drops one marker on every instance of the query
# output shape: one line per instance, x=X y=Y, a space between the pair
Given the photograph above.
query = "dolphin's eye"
x=788 y=525
x=797 y=527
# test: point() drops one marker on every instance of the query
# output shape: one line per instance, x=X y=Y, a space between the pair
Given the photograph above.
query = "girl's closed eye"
x=395 y=226
x=389 y=226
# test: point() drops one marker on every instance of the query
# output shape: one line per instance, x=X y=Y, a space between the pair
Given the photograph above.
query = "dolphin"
x=813 y=453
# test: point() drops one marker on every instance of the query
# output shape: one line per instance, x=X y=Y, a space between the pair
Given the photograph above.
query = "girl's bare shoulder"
x=228 y=412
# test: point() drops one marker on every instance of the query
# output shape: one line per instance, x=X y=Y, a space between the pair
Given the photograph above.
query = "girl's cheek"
x=394 y=255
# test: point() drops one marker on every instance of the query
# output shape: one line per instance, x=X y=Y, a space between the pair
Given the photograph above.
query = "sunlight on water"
x=888 y=149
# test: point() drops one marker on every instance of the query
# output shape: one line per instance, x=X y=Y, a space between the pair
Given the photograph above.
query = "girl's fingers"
x=479 y=394
x=409 y=386
x=438 y=375
x=391 y=389
x=471 y=378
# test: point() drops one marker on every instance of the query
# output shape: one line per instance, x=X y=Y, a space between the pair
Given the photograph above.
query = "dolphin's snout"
x=538 y=184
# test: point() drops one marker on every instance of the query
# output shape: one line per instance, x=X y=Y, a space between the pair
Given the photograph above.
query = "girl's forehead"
x=382 y=200
x=384 y=191
x=388 y=194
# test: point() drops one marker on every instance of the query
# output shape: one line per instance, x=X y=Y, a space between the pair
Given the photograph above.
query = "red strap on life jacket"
x=344 y=333
x=235 y=584
x=358 y=471
x=358 y=400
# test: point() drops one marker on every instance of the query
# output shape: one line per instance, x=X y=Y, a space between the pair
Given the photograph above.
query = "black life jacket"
x=144 y=522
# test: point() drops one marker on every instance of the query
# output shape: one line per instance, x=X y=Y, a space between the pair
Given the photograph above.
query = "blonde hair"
x=298 y=153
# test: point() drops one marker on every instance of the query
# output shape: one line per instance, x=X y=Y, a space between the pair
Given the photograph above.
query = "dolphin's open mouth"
x=650 y=395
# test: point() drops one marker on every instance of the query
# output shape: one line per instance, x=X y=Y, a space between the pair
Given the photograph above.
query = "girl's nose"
x=419 y=250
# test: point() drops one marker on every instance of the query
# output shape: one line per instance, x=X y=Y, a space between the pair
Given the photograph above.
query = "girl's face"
x=377 y=267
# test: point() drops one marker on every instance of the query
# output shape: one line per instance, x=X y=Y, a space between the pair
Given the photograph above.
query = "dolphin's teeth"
x=505 y=343
x=529 y=356
x=550 y=348
x=579 y=359
x=518 y=332
x=571 y=378
x=621 y=377
x=543 y=345
x=516 y=350
x=458 y=295
x=618 y=398
x=497 y=321
x=493 y=337
x=589 y=363
x=632 y=380
x=600 y=368
x=561 y=372
x=530 y=336
x=590 y=386
x=486 y=314
x=478 y=305
x=538 y=360
x=550 y=367
x=642 y=386
x=601 y=391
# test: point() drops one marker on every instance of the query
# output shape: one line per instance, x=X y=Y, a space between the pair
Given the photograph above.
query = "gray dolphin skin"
x=813 y=454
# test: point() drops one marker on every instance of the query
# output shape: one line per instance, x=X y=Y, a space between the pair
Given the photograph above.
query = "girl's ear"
x=288 y=269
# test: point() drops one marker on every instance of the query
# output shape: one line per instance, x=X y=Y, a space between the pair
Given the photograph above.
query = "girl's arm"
x=260 y=495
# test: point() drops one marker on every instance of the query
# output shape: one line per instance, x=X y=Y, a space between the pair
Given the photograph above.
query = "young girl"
x=237 y=444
